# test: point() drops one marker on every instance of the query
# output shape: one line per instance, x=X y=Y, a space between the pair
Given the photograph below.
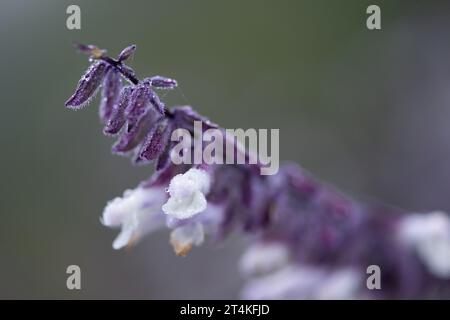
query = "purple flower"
x=310 y=240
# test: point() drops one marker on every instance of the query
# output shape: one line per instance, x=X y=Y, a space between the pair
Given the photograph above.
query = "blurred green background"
x=365 y=110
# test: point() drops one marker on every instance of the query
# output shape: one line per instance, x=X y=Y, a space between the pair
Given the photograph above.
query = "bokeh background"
x=368 y=111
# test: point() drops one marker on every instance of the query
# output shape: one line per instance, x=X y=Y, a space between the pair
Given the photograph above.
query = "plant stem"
x=119 y=66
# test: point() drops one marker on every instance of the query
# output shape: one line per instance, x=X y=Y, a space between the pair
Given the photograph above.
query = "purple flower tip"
x=126 y=53
x=163 y=82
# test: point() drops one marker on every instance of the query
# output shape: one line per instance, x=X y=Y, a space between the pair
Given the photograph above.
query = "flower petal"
x=124 y=238
x=186 y=207
x=187 y=194
x=262 y=258
x=429 y=235
x=137 y=212
x=305 y=282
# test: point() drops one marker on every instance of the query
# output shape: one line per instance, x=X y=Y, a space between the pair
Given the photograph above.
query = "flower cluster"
x=134 y=111
x=309 y=240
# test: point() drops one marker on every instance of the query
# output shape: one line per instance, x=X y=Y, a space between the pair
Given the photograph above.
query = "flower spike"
x=310 y=240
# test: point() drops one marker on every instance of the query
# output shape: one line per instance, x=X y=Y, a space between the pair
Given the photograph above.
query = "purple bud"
x=156 y=102
x=138 y=103
x=156 y=141
x=126 y=53
x=162 y=82
x=117 y=119
x=88 y=85
x=134 y=134
x=110 y=92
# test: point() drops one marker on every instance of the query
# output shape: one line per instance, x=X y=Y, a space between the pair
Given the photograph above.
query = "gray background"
x=365 y=110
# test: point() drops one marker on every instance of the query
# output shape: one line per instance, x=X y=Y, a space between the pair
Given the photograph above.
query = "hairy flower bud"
x=156 y=140
x=138 y=104
x=88 y=85
x=111 y=88
x=156 y=102
x=126 y=53
x=117 y=118
x=134 y=134
x=163 y=82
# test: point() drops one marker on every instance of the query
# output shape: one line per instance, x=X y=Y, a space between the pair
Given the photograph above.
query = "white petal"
x=117 y=209
x=290 y=282
x=263 y=258
x=304 y=282
x=192 y=180
x=125 y=236
x=186 y=207
x=429 y=235
x=138 y=212
x=340 y=285
x=201 y=178
x=187 y=194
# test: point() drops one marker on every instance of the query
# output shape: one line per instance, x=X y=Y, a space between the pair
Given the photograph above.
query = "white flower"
x=184 y=237
x=137 y=212
x=262 y=258
x=187 y=194
x=429 y=235
x=304 y=282
x=342 y=284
